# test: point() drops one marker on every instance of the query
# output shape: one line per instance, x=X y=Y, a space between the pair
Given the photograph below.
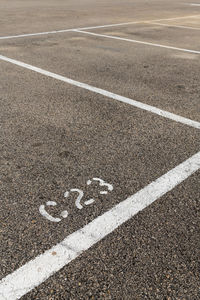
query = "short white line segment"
x=105 y=93
x=87 y=28
x=36 y=271
x=194 y=4
x=137 y=41
x=176 y=26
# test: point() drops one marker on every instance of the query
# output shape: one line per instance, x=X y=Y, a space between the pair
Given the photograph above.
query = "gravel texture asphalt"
x=55 y=137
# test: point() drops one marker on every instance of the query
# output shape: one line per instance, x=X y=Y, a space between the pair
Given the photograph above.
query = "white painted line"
x=195 y=4
x=109 y=25
x=176 y=26
x=137 y=41
x=87 y=28
x=105 y=93
x=36 y=271
x=176 y=18
x=33 y=34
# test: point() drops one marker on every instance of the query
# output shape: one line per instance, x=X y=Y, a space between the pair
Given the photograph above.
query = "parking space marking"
x=105 y=93
x=176 y=26
x=137 y=41
x=79 y=196
x=134 y=22
x=195 y=4
x=36 y=271
x=67 y=30
x=91 y=27
x=176 y=18
x=33 y=34
x=109 y=25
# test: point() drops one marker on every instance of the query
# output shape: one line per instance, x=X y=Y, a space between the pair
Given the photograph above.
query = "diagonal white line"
x=177 y=18
x=109 y=25
x=137 y=41
x=176 y=26
x=91 y=27
x=36 y=271
x=194 y=4
x=33 y=34
x=105 y=93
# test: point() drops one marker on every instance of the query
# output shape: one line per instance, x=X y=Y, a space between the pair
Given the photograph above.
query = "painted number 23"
x=78 y=203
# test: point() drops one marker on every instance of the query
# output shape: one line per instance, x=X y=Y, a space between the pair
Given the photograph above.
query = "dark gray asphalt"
x=55 y=137
x=167 y=79
x=155 y=255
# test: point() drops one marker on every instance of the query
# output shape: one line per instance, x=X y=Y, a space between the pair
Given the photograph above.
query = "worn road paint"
x=195 y=4
x=33 y=34
x=137 y=41
x=101 y=183
x=176 y=26
x=105 y=93
x=134 y=22
x=79 y=196
x=45 y=214
x=90 y=201
x=87 y=28
x=36 y=271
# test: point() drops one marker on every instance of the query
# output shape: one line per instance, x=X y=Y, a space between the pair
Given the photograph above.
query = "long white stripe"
x=36 y=271
x=137 y=41
x=176 y=26
x=110 y=25
x=195 y=4
x=87 y=28
x=105 y=93
x=33 y=34
x=176 y=18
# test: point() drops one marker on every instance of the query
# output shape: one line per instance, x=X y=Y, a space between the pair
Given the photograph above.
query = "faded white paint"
x=45 y=214
x=101 y=183
x=176 y=26
x=79 y=197
x=90 y=201
x=36 y=271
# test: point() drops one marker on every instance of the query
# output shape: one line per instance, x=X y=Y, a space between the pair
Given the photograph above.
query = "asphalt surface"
x=20 y=16
x=55 y=137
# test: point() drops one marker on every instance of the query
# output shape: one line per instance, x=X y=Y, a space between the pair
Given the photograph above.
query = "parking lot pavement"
x=18 y=17
x=56 y=138
x=153 y=256
x=95 y=127
x=165 y=78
